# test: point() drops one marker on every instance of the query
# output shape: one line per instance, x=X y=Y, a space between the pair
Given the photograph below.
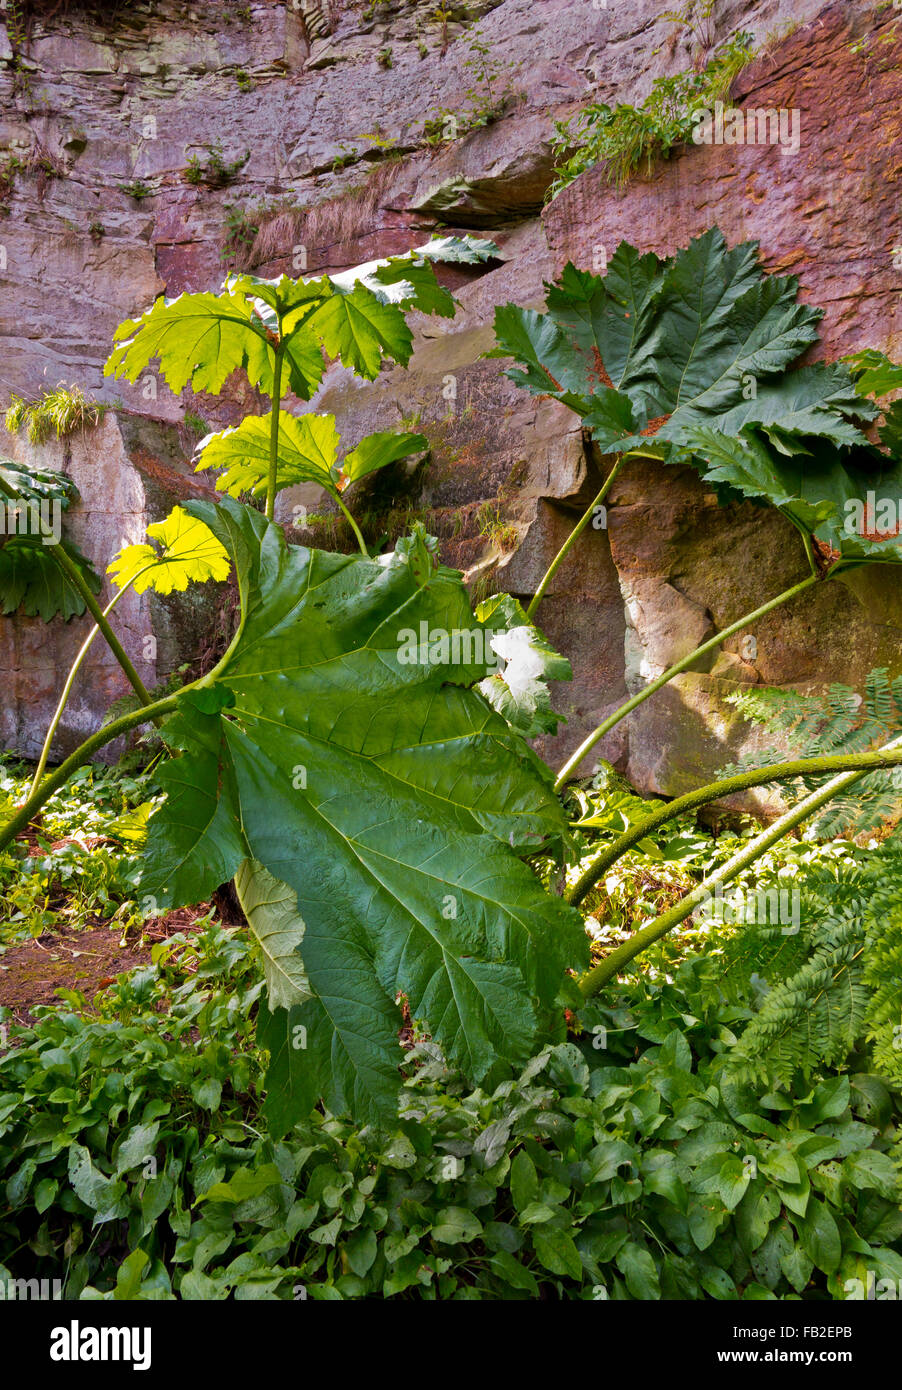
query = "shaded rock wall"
x=332 y=105
x=129 y=472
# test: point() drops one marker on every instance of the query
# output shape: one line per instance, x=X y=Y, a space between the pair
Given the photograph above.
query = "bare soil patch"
x=87 y=959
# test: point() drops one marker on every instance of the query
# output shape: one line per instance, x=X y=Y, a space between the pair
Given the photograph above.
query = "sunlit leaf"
x=188 y=553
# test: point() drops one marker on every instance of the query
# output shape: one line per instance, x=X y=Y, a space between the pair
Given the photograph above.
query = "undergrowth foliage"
x=831 y=985
x=72 y=873
x=134 y=1155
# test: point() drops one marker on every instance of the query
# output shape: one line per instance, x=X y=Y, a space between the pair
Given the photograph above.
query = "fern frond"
x=813 y=1018
x=830 y=987
x=883 y=976
x=838 y=720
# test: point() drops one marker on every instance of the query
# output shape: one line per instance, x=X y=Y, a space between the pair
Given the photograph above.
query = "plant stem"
x=809 y=552
x=83 y=754
x=594 y=980
x=713 y=791
x=274 y=433
x=605 y=727
x=67 y=691
x=574 y=536
x=354 y=527
x=76 y=578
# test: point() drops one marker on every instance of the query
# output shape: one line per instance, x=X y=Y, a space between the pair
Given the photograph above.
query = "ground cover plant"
x=72 y=870
x=633 y=1161
x=412 y=1073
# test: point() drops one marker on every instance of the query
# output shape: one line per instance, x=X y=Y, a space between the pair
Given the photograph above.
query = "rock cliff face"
x=346 y=113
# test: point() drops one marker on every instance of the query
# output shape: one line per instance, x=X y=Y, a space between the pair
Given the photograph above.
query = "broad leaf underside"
x=390 y=800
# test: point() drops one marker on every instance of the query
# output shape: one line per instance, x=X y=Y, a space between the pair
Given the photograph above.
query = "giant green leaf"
x=658 y=348
x=339 y=314
x=691 y=360
x=836 y=495
x=341 y=1049
x=388 y=797
x=716 y=318
x=810 y=402
x=203 y=846
x=201 y=338
x=359 y=328
x=282 y=305
x=614 y=311
x=357 y=317
x=307 y=449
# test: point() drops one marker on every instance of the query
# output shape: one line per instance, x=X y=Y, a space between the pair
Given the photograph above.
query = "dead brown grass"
x=335 y=221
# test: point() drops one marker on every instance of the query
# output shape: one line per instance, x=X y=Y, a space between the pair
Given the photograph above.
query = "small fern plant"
x=839 y=720
x=832 y=986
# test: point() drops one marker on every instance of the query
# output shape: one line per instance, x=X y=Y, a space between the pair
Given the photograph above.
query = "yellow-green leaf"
x=307 y=449
x=188 y=553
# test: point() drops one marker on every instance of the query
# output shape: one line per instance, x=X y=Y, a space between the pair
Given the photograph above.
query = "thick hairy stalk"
x=274 y=435
x=713 y=791
x=67 y=691
x=20 y=821
x=605 y=727
x=594 y=980
x=75 y=577
x=574 y=536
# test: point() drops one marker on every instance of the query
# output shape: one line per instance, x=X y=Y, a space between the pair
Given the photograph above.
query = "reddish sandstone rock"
x=339 y=164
